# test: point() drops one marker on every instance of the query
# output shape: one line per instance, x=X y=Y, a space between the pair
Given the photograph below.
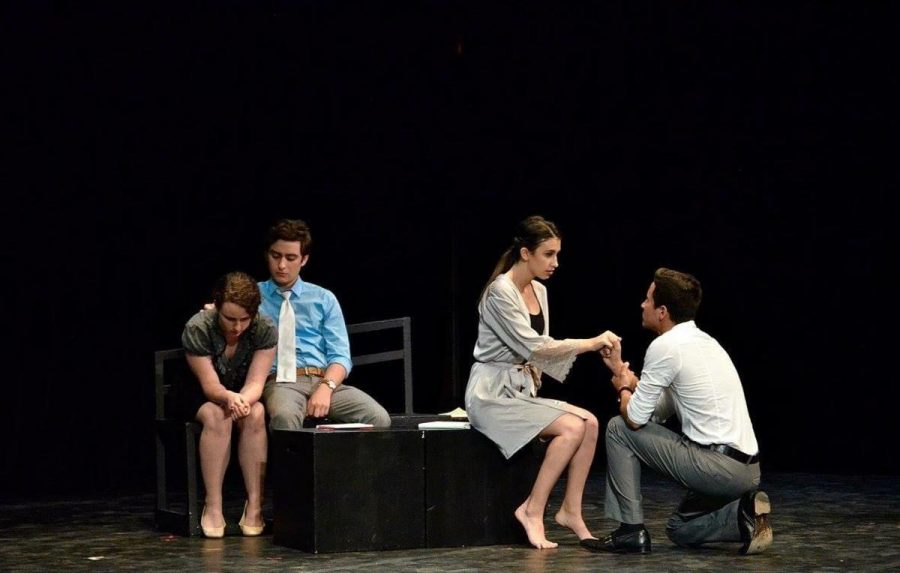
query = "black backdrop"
x=752 y=145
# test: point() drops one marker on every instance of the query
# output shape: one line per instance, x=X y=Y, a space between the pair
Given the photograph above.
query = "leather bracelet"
x=624 y=388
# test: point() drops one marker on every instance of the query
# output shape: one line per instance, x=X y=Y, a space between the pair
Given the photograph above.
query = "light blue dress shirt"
x=321 y=332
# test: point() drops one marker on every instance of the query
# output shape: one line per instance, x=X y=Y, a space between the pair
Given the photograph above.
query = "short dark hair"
x=238 y=288
x=679 y=292
x=290 y=230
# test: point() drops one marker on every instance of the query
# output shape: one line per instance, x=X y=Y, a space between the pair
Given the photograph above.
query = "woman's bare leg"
x=569 y=514
x=215 y=450
x=567 y=433
x=252 y=452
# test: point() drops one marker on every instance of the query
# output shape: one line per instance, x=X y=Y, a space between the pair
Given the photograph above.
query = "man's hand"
x=624 y=377
x=319 y=402
x=612 y=356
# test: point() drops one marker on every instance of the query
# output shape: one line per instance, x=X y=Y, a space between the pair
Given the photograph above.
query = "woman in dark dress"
x=230 y=350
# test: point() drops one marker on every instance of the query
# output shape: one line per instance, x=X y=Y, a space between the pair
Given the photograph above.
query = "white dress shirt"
x=687 y=370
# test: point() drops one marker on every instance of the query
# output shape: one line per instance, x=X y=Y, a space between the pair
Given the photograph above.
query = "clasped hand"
x=605 y=343
x=238 y=406
x=622 y=374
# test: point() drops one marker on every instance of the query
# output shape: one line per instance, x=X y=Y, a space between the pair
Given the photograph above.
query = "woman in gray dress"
x=230 y=350
x=512 y=351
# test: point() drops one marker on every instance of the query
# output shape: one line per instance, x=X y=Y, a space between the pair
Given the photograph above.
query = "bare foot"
x=534 y=527
x=575 y=523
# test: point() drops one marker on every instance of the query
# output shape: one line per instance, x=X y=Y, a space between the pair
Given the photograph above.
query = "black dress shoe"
x=753 y=522
x=633 y=542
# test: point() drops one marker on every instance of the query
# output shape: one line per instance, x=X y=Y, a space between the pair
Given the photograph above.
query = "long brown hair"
x=530 y=233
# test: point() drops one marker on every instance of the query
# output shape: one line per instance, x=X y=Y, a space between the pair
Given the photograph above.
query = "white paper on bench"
x=442 y=425
x=347 y=426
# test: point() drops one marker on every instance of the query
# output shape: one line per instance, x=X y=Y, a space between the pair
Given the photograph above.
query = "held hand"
x=319 y=402
x=624 y=377
x=612 y=356
x=245 y=407
x=607 y=340
x=238 y=406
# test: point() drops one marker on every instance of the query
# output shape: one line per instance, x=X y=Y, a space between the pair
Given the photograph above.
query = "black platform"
x=403 y=488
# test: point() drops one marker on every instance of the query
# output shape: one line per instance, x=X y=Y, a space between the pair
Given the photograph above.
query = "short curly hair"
x=238 y=288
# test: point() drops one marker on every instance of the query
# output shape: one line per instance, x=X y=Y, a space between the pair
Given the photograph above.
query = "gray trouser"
x=715 y=482
x=285 y=404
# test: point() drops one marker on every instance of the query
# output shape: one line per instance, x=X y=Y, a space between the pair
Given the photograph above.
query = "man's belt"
x=302 y=371
x=732 y=453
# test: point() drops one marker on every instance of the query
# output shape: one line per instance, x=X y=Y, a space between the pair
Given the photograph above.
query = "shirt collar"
x=685 y=325
x=273 y=289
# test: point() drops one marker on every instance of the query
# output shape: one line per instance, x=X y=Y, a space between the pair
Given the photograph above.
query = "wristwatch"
x=330 y=383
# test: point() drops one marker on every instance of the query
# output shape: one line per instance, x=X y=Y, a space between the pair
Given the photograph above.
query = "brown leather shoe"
x=753 y=522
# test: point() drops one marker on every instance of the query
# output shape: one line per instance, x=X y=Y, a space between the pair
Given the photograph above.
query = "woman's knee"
x=256 y=419
x=573 y=427
x=591 y=427
x=212 y=419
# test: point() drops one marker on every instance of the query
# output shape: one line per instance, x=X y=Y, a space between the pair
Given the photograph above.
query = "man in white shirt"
x=686 y=373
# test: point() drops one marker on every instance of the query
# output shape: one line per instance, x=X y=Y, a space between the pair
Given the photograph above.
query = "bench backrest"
x=171 y=368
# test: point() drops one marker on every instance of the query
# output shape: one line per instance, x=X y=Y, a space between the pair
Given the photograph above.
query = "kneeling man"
x=687 y=373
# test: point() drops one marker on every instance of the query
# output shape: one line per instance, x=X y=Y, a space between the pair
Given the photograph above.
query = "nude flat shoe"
x=250 y=530
x=211 y=532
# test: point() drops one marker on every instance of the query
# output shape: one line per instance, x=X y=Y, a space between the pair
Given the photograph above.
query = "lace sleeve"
x=555 y=358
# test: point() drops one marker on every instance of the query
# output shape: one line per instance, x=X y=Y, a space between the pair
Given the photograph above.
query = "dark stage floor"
x=821 y=523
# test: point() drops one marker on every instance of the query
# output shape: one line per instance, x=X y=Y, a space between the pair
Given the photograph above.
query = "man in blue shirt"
x=321 y=347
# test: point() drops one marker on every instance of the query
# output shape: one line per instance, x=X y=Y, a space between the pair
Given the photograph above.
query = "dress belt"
x=731 y=453
x=302 y=371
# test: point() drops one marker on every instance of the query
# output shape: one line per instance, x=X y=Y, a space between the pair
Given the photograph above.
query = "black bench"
x=176 y=440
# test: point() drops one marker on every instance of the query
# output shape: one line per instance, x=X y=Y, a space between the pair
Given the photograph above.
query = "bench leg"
x=192 y=501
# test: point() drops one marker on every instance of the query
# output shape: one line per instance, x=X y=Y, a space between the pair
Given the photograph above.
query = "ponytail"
x=507 y=260
x=530 y=233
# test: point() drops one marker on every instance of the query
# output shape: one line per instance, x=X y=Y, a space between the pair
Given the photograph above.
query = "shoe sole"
x=642 y=551
x=619 y=551
x=762 y=530
x=624 y=551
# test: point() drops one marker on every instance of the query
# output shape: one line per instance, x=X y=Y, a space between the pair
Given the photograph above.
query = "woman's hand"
x=238 y=406
x=605 y=341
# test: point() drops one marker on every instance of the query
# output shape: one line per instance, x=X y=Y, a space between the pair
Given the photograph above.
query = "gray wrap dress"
x=501 y=396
